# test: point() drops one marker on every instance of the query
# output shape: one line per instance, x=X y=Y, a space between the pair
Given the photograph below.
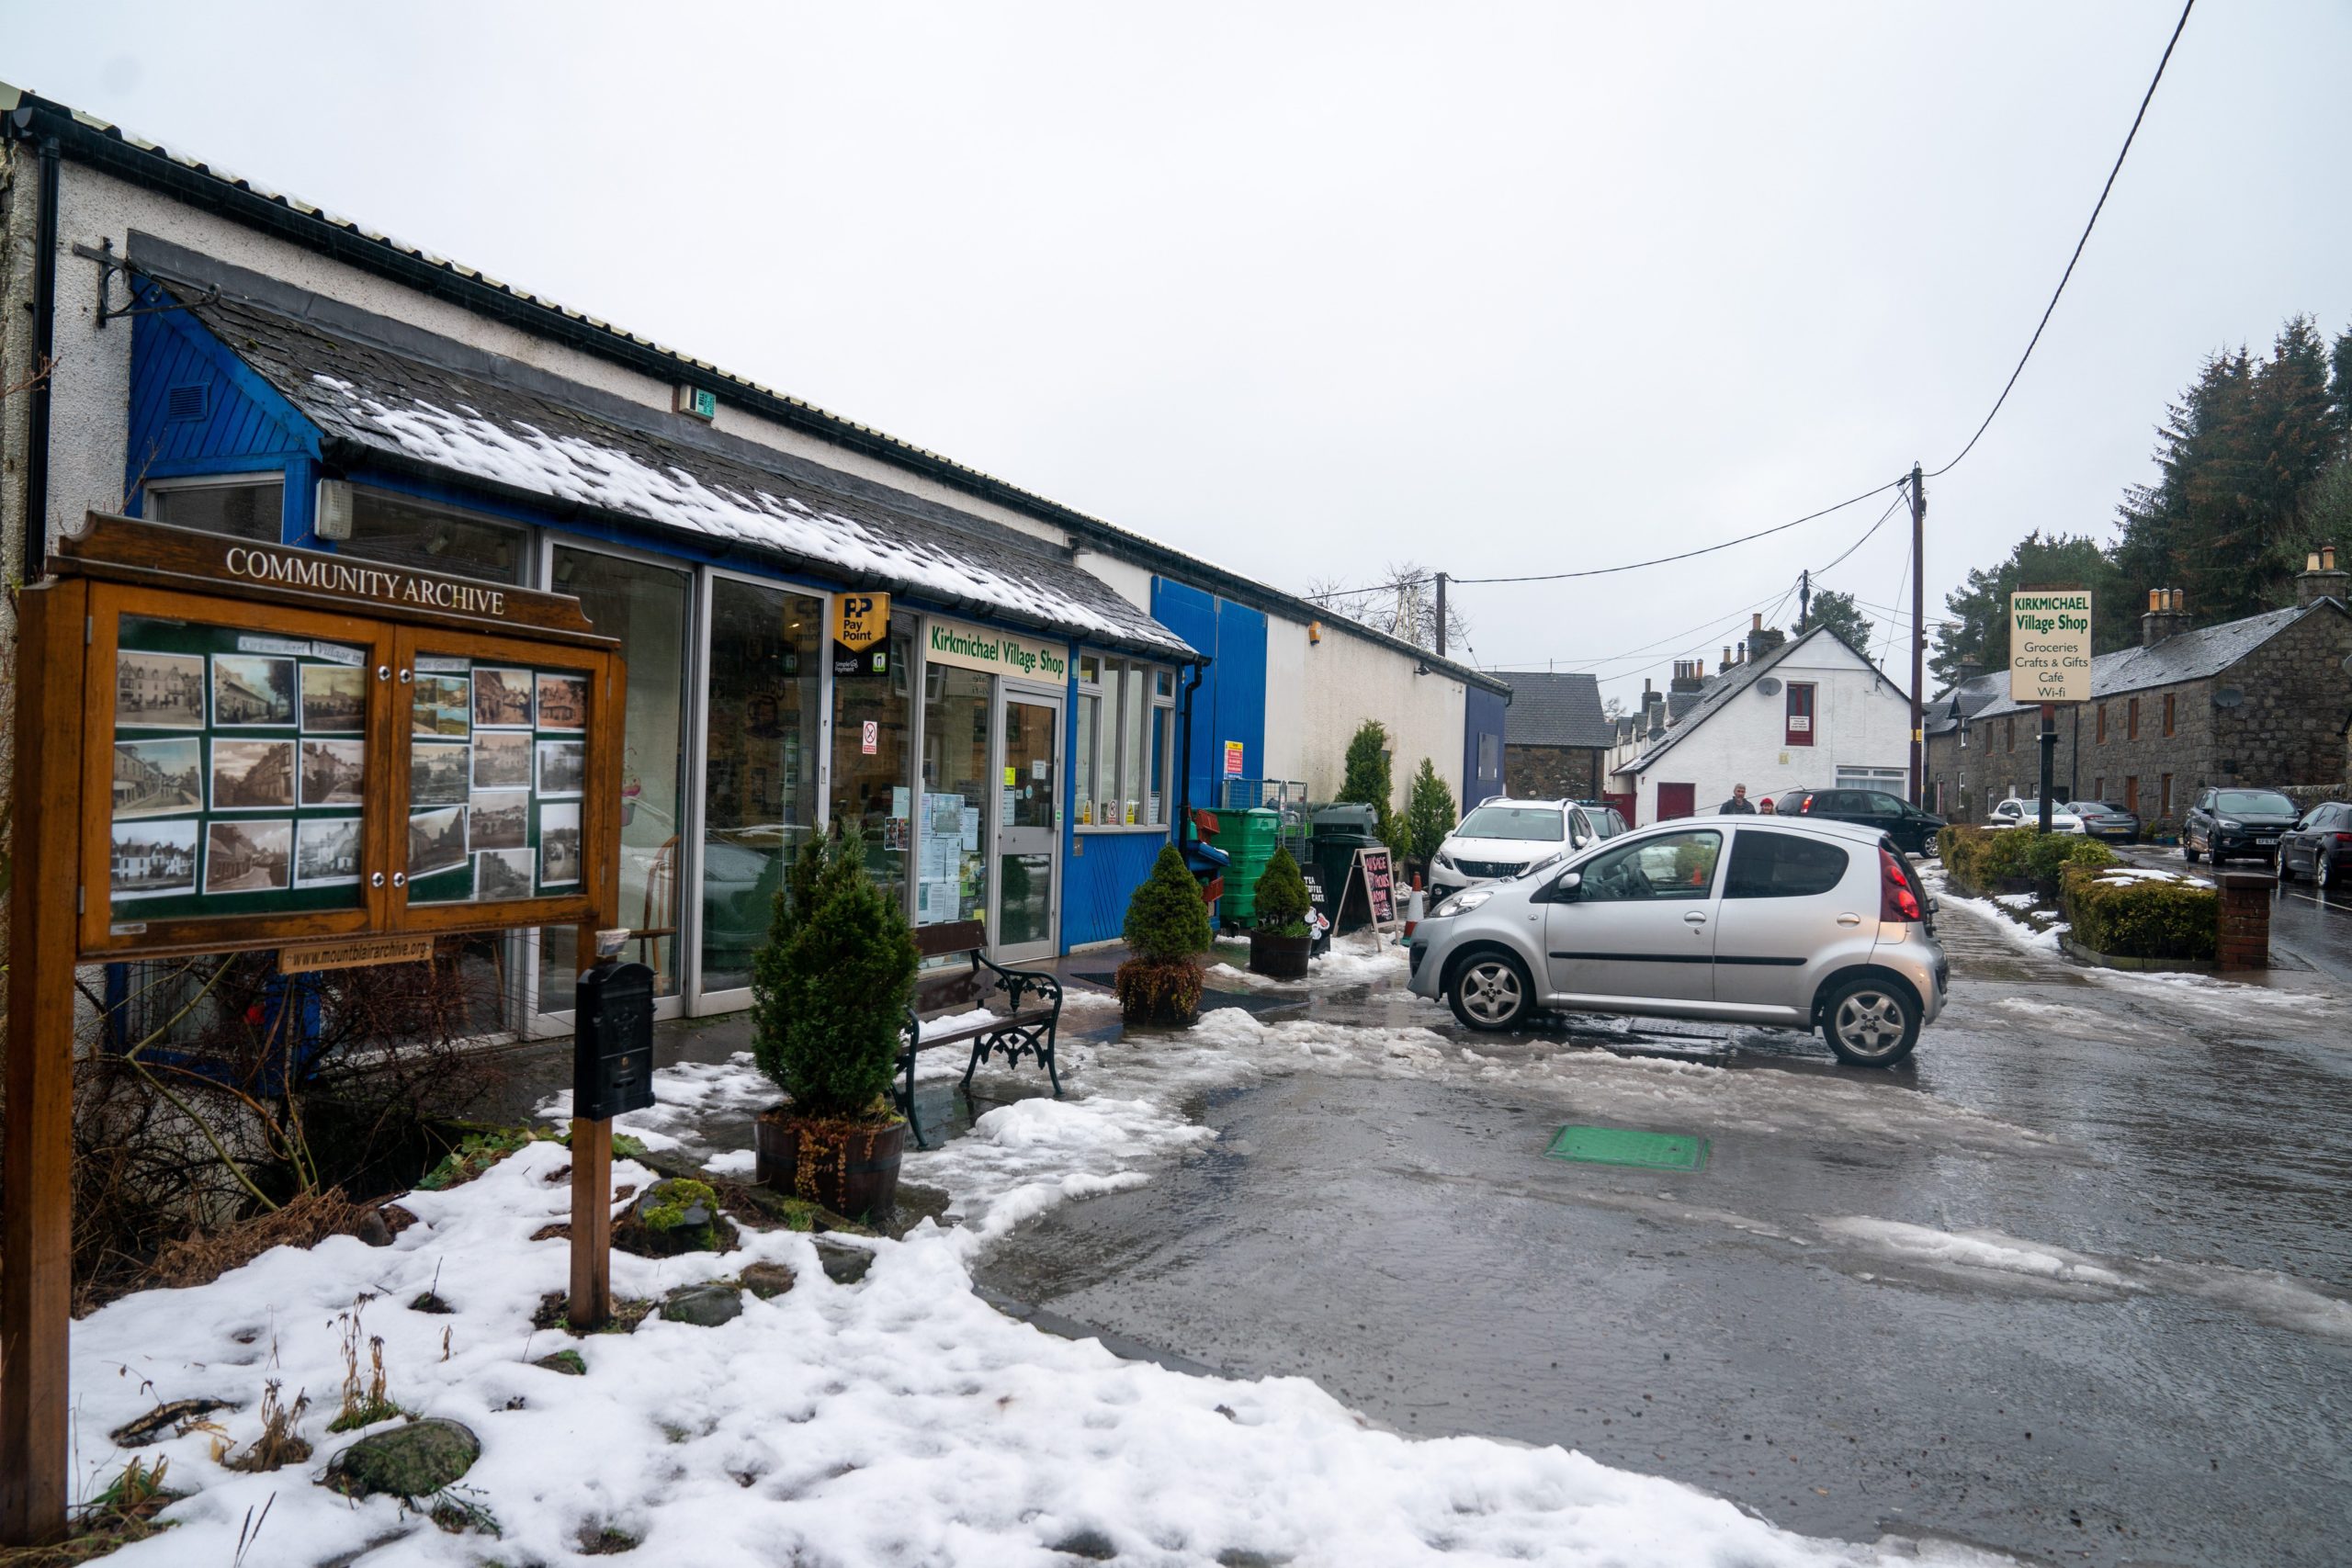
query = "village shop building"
x=1051 y=693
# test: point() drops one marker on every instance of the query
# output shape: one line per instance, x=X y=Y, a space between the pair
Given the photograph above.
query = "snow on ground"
x=1986 y=1251
x=2000 y=911
x=1359 y=958
x=895 y=1420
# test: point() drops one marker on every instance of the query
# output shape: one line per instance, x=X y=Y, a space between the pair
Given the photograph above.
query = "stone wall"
x=1547 y=772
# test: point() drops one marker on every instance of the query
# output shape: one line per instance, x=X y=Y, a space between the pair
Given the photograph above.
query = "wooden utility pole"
x=1918 y=628
x=1440 y=615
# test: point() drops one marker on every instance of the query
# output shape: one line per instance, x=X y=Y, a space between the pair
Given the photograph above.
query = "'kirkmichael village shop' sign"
x=969 y=646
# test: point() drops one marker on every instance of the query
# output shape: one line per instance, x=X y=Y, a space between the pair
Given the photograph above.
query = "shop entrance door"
x=1027 y=813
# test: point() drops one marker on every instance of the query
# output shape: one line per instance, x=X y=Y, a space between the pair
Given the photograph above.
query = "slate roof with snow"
x=1954 y=704
x=2186 y=656
x=414 y=412
x=1549 y=708
x=1729 y=683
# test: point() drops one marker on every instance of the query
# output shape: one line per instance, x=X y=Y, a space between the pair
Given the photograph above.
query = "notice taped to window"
x=2049 y=646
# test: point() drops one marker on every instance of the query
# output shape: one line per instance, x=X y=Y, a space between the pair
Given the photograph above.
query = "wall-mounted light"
x=332 y=519
x=1314 y=631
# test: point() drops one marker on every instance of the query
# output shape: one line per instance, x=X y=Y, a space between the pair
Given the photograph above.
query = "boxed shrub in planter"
x=1167 y=929
x=1282 y=939
x=2142 y=916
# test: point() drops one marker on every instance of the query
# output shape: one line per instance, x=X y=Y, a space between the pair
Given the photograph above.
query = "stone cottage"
x=2259 y=702
x=1557 y=742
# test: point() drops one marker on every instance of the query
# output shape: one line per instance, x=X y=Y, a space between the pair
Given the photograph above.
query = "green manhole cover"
x=1623 y=1146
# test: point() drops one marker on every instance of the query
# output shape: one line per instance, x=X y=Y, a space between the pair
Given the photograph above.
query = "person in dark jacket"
x=1737 y=805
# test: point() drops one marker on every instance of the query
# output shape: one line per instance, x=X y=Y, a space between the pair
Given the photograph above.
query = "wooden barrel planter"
x=1280 y=957
x=843 y=1167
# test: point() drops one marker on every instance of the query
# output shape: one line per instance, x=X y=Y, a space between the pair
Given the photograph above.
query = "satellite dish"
x=2229 y=697
x=1769 y=685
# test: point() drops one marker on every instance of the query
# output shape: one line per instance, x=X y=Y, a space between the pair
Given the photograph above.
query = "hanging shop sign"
x=861 y=634
x=967 y=647
x=224 y=747
x=2049 y=646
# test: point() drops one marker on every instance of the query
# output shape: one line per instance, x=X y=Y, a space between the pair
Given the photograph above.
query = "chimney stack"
x=1727 y=658
x=2168 y=615
x=2320 y=579
x=1687 y=674
x=1763 y=639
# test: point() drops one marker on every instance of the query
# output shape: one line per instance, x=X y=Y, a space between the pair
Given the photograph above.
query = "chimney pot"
x=1756 y=621
x=2155 y=600
x=2327 y=557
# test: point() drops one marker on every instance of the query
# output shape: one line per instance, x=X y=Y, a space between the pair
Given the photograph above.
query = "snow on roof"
x=2189 y=656
x=425 y=413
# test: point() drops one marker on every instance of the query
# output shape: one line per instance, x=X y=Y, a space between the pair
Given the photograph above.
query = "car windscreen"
x=2256 y=802
x=1536 y=823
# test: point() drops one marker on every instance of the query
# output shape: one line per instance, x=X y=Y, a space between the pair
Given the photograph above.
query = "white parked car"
x=1505 y=837
x=2016 y=812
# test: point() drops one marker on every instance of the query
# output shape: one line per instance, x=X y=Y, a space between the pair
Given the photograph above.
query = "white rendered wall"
x=1286 y=653
x=1129 y=581
x=1349 y=679
x=1861 y=721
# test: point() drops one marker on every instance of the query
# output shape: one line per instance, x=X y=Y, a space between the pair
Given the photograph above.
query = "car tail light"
x=1804 y=806
x=2343 y=838
x=1897 y=899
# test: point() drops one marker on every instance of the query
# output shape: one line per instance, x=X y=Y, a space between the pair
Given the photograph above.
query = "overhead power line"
x=2145 y=98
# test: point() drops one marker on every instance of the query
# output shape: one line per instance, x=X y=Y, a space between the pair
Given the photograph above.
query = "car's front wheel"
x=1491 y=991
x=1871 y=1023
x=2323 y=873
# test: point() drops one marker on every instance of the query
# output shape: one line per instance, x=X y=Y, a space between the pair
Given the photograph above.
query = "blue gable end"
x=196 y=407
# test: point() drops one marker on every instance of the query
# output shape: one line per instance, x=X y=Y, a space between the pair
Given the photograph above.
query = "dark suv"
x=1913 y=831
x=2236 y=823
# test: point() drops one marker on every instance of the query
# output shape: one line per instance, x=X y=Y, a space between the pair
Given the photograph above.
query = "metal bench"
x=1025 y=1007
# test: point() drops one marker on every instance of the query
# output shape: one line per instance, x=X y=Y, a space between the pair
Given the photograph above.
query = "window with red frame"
x=1800 y=726
x=2169 y=696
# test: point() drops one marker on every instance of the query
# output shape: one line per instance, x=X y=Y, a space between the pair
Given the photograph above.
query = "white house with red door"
x=1810 y=713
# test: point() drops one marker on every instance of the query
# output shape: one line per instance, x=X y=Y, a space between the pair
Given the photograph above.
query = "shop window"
x=1126 y=735
x=952 y=881
x=646 y=607
x=873 y=782
x=426 y=538
x=246 y=507
x=2168 y=697
x=764 y=724
x=1799 y=731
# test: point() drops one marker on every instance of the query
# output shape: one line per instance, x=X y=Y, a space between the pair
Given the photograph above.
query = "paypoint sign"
x=2049 y=646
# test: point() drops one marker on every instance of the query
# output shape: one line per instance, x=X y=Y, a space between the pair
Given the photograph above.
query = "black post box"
x=612 y=1066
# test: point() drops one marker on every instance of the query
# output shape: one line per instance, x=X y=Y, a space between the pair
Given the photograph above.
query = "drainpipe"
x=1184 y=786
x=36 y=559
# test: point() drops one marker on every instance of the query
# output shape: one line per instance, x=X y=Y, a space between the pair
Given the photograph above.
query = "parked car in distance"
x=2016 y=812
x=2320 y=846
x=1503 y=838
x=2104 y=820
x=1605 y=819
x=1913 y=831
x=2237 y=824
x=1798 y=924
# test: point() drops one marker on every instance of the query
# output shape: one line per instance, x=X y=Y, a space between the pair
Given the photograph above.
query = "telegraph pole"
x=1918 y=623
x=1440 y=615
x=1805 y=600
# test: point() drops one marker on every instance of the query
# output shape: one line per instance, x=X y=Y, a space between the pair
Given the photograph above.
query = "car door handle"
x=1696 y=918
x=1850 y=919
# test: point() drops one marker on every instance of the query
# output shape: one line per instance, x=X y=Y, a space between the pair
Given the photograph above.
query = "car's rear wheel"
x=1871 y=1023
x=1491 y=991
x=2322 y=871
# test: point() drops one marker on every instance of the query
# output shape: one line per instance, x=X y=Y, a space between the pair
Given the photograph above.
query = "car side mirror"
x=1565 y=890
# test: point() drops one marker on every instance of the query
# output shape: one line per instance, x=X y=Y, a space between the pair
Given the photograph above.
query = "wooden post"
x=36 y=1180
x=592 y=1222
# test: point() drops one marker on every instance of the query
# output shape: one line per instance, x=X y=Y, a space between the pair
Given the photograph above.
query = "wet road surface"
x=2072 y=1284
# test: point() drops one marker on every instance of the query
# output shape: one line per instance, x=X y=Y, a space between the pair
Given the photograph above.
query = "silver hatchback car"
x=1793 y=922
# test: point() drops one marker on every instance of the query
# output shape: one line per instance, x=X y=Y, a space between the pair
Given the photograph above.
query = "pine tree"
x=1429 y=811
x=830 y=987
x=1837 y=611
x=1368 y=781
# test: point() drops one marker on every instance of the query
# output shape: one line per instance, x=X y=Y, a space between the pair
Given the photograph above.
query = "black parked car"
x=2104 y=820
x=2320 y=844
x=1913 y=831
x=2236 y=823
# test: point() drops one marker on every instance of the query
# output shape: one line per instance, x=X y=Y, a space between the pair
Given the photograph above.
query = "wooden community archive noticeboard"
x=227 y=746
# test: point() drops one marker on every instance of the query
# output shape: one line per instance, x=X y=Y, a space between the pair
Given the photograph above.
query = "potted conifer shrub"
x=1280 y=942
x=1167 y=931
x=830 y=994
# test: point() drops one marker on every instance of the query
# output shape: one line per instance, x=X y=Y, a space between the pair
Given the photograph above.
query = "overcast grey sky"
x=1308 y=289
